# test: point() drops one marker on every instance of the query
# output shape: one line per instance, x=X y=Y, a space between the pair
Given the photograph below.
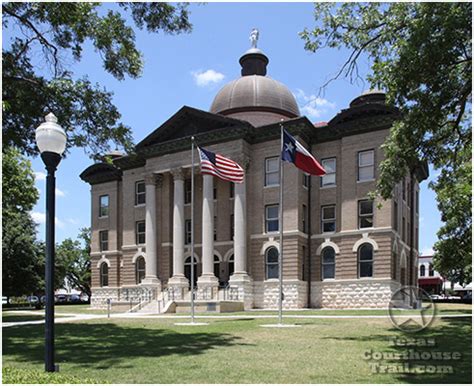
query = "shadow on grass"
x=452 y=335
x=104 y=345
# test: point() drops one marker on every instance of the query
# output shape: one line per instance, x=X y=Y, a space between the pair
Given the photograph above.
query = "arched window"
x=422 y=270
x=431 y=270
x=104 y=274
x=187 y=269
x=328 y=261
x=217 y=266
x=231 y=264
x=365 y=256
x=271 y=263
x=139 y=269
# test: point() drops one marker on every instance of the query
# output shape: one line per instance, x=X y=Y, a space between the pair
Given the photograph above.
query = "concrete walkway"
x=65 y=318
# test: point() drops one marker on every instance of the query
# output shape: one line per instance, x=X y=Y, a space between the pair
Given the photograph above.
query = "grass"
x=17 y=317
x=14 y=375
x=234 y=351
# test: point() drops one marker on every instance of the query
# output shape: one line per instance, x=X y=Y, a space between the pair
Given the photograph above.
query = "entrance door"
x=187 y=270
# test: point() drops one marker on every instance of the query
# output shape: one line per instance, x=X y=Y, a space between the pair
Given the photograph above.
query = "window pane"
x=329 y=165
x=328 y=255
x=366 y=222
x=272 y=178
x=140 y=187
x=366 y=173
x=329 y=271
x=329 y=226
x=328 y=179
x=365 y=269
x=272 y=212
x=365 y=252
x=329 y=212
x=272 y=225
x=272 y=271
x=365 y=207
x=366 y=158
x=272 y=164
x=272 y=255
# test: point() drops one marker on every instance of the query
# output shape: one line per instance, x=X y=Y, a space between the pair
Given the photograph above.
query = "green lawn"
x=8 y=317
x=234 y=351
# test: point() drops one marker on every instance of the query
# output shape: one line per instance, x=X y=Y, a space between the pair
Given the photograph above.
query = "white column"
x=178 y=230
x=150 y=231
x=207 y=229
x=240 y=229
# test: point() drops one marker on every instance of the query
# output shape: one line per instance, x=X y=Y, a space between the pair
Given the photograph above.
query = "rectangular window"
x=140 y=194
x=187 y=191
x=271 y=171
x=104 y=206
x=104 y=240
x=305 y=219
x=303 y=266
x=306 y=179
x=404 y=189
x=214 y=193
x=231 y=189
x=215 y=228
x=232 y=227
x=404 y=229
x=366 y=165
x=328 y=218
x=187 y=231
x=271 y=218
x=140 y=232
x=417 y=204
x=366 y=214
x=395 y=215
x=329 y=179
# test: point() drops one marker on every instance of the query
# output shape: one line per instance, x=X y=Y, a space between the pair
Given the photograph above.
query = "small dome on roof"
x=369 y=96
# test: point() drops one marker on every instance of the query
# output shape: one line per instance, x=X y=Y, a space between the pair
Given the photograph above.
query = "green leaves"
x=54 y=33
x=421 y=55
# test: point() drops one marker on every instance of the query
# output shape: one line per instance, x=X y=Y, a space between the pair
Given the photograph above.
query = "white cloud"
x=40 y=218
x=60 y=193
x=427 y=251
x=40 y=176
x=313 y=106
x=206 y=78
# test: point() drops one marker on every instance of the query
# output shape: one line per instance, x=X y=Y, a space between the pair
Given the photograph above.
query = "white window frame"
x=271 y=172
x=323 y=162
x=323 y=264
x=328 y=220
x=140 y=194
x=365 y=166
x=106 y=207
x=138 y=233
x=101 y=241
x=187 y=232
x=360 y=216
x=306 y=179
x=267 y=219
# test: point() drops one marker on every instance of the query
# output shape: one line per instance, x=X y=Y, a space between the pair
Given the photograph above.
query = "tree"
x=421 y=55
x=53 y=34
x=21 y=269
x=74 y=258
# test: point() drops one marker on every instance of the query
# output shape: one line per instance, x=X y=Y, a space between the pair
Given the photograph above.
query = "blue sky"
x=189 y=69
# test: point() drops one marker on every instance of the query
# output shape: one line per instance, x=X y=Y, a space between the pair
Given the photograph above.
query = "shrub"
x=16 y=375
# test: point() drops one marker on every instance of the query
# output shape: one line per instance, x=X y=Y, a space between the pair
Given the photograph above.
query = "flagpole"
x=192 y=229
x=280 y=223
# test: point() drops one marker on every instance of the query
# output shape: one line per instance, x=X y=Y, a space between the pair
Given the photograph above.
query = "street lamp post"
x=51 y=141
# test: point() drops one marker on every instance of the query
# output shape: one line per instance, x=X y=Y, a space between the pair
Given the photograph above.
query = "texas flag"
x=294 y=152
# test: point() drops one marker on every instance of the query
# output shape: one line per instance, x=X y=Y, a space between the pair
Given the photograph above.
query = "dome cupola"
x=255 y=97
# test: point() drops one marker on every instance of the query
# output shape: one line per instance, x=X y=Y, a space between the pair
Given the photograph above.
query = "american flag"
x=219 y=166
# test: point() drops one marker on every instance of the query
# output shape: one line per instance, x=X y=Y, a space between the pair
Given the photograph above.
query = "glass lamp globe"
x=50 y=137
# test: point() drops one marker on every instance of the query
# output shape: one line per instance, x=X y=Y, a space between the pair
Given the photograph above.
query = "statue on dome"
x=254 y=37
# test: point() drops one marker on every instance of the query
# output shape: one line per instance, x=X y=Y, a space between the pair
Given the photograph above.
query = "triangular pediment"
x=189 y=121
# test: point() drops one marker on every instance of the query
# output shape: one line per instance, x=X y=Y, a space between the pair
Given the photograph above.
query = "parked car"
x=74 y=298
x=33 y=299
x=61 y=298
x=436 y=297
x=4 y=300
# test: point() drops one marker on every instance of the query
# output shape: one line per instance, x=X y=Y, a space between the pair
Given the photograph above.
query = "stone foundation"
x=266 y=294
x=360 y=293
x=134 y=294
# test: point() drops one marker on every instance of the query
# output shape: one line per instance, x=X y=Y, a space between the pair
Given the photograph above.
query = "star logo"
x=411 y=309
x=289 y=147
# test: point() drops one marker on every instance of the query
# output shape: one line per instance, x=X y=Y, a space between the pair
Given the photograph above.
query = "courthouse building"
x=341 y=249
